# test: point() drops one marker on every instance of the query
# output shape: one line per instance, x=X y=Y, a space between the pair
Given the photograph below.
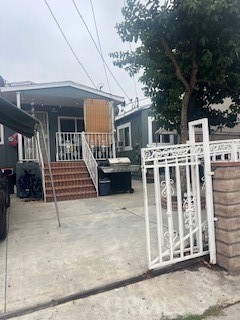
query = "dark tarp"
x=17 y=119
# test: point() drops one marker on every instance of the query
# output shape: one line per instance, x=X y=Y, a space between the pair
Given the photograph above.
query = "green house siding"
x=139 y=134
x=144 y=125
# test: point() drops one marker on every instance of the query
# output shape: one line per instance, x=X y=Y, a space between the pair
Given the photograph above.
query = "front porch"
x=75 y=171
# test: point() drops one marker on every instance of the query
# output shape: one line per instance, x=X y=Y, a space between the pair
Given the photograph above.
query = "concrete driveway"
x=101 y=241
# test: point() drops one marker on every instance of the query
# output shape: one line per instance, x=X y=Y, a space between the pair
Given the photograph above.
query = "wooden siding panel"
x=98 y=116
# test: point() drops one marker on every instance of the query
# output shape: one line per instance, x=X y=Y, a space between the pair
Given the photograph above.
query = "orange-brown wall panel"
x=98 y=116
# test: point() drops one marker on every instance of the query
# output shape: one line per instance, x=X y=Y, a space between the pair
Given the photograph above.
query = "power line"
x=100 y=46
x=99 y=50
x=65 y=38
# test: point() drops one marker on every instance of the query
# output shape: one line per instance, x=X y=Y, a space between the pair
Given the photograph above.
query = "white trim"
x=123 y=126
x=150 y=121
x=1 y=134
x=60 y=84
x=164 y=132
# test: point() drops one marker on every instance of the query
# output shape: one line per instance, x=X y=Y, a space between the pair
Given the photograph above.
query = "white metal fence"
x=179 y=204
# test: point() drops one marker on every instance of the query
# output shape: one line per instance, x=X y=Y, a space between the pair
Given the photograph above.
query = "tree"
x=189 y=53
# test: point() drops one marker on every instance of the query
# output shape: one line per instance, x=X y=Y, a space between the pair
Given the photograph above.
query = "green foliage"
x=184 y=47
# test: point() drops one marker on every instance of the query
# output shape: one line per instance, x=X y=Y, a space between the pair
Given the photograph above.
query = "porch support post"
x=20 y=144
x=113 y=131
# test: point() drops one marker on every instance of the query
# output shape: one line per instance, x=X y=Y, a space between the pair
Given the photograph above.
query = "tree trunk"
x=184 y=117
x=184 y=135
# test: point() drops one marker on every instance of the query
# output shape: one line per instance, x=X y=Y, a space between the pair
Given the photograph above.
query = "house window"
x=124 y=136
x=69 y=124
x=1 y=134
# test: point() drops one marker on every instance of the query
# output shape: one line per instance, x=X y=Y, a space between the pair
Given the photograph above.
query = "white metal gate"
x=179 y=203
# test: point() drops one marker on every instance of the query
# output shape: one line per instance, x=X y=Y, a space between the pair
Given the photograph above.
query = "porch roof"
x=63 y=93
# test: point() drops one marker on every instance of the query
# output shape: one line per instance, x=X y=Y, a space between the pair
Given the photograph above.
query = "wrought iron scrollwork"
x=165 y=188
x=189 y=211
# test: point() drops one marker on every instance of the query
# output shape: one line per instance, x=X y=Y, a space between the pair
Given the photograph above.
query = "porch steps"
x=71 y=181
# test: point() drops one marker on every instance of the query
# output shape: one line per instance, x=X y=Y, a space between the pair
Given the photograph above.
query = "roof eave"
x=61 y=85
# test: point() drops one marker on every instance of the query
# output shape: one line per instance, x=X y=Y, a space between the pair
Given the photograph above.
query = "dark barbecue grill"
x=119 y=172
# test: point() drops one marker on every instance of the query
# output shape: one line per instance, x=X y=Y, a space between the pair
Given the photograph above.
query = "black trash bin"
x=11 y=177
x=104 y=187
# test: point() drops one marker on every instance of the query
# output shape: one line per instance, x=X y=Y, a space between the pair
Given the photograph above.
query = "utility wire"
x=65 y=38
x=99 y=50
x=100 y=46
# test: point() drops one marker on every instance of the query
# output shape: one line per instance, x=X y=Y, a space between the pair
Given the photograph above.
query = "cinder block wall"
x=226 y=191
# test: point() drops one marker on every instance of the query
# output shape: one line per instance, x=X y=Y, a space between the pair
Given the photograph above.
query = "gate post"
x=208 y=181
x=226 y=188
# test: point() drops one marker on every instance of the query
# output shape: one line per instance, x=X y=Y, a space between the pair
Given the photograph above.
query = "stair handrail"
x=90 y=161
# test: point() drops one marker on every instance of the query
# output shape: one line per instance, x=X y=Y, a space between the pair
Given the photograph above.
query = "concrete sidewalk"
x=101 y=241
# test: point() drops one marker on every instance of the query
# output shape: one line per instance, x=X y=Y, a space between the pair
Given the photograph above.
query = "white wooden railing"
x=102 y=145
x=33 y=152
x=90 y=162
x=30 y=150
x=69 y=145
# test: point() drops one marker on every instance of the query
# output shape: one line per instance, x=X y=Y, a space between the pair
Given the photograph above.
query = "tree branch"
x=174 y=61
x=194 y=62
x=215 y=83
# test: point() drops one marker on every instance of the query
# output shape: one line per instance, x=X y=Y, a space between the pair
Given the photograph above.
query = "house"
x=136 y=129
x=77 y=127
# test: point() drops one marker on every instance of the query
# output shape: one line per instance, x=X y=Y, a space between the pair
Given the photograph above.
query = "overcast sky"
x=32 y=47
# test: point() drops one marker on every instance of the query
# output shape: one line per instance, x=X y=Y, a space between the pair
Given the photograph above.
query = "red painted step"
x=71 y=181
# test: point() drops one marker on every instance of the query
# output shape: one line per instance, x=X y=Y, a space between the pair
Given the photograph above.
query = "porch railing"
x=90 y=161
x=30 y=150
x=69 y=145
x=102 y=145
x=33 y=152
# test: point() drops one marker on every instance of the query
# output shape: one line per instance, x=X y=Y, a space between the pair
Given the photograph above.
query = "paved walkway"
x=101 y=241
